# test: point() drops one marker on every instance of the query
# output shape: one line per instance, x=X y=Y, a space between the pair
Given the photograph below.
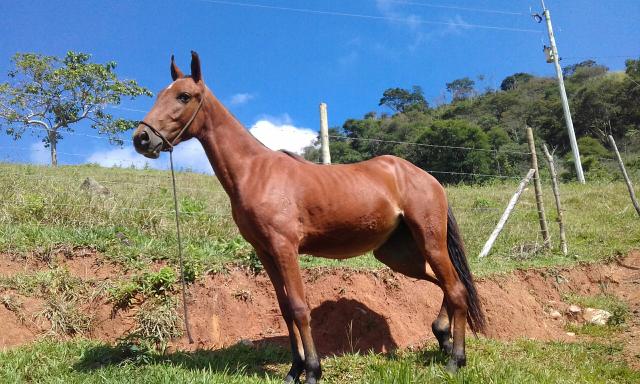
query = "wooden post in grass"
x=626 y=176
x=505 y=215
x=556 y=195
x=536 y=182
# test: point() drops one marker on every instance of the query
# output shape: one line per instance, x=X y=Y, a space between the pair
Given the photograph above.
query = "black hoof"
x=313 y=375
x=291 y=380
x=446 y=347
x=293 y=376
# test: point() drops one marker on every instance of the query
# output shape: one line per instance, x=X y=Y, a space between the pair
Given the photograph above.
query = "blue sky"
x=273 y=61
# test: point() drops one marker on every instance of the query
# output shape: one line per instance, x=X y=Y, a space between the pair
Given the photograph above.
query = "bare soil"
x=352 y=310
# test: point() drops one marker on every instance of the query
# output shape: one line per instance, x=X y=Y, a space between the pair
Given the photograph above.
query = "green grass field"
x=489 y=362
x=43 y=210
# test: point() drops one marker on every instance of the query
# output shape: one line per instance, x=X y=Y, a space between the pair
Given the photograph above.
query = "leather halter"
x=168 y=145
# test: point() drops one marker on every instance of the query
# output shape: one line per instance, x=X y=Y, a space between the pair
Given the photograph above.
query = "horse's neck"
x=228 y=145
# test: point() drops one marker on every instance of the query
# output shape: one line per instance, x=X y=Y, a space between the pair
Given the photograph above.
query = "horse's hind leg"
x=441 y=328
x=401 y=253
x=297 y=366
x=429 y=230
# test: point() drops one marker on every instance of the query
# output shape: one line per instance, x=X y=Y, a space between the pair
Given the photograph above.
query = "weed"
x=190 y=205
x=158 y=321
x=65 y=317
x=123 y=295
x=243 y=295
x=13 y=304
x=158 y=283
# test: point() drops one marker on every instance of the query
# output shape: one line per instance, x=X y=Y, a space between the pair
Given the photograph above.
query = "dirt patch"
x=351 y=310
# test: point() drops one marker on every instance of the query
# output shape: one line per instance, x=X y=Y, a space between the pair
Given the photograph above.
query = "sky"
x=271 y=62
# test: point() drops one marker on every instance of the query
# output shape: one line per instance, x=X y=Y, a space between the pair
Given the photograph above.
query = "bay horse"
x=284 y=206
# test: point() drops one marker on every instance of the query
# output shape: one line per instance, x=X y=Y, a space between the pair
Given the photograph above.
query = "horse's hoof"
x=452 y=366
x=446 y=347
x=313 y=377
x=455 y=363
x=291 y=380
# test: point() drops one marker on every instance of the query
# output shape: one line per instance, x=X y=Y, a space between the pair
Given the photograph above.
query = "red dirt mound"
x=351 y=310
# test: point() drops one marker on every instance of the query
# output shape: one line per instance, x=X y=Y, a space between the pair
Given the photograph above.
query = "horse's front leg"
x=285 y=257
x=294 y=335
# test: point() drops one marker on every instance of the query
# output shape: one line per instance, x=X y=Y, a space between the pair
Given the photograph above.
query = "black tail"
x=475 y=315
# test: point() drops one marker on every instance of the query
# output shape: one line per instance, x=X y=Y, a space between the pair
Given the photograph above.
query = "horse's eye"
x=184 y=97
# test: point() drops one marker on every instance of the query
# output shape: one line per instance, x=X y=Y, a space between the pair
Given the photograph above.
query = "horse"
x=284 y=206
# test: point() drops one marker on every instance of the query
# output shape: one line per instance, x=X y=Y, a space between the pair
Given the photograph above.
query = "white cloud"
x=277 y=135
x=415 y=24
x=188 y=155
x=241 y=98
x=38 y=154
x=274 y=132
x=118 y=157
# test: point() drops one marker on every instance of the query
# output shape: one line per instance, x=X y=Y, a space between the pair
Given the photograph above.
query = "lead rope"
x=184 y=285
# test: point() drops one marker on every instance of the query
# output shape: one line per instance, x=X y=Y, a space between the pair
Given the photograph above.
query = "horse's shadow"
x=339 y=327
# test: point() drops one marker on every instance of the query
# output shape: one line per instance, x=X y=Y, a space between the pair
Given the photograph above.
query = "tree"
x=512 y=82
x=49 y=94
x=632 y=68
x=402 y=100
x=452 y=165
x=461 y=89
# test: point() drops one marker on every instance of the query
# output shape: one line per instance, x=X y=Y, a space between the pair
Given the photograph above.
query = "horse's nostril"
x=144 y=138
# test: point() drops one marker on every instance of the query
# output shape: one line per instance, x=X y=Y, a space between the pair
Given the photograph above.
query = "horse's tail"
x=475 y=315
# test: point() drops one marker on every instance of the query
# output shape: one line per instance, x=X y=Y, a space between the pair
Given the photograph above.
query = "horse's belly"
x=340 y=240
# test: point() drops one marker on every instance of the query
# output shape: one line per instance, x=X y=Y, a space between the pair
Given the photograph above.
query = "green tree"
x=402 y=100
x=512 y=82
x=451 y=164
x=461 y=89
x=50 y=94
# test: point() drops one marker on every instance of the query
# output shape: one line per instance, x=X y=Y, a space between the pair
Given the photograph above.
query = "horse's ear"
x=196 y=73
x=176 y=73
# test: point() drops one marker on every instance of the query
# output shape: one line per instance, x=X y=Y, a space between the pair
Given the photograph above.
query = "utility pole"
x=324 y=135
x=563 y=96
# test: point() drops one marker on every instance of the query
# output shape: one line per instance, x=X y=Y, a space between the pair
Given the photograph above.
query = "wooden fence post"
x=556 y=195
x=505 y=215
x=536 y=182
x=626 y=176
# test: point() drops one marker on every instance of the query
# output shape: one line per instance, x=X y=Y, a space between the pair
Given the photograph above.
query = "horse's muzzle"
x=147 y=143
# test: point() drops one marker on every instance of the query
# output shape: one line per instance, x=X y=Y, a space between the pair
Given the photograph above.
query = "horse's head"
x=174 y=117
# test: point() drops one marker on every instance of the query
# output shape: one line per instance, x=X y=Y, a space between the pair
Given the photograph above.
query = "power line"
x=365 y=16
x=599 y=57
x=428 y=145
x=456 y=7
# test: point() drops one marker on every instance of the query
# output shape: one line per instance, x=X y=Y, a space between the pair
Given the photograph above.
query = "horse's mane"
x=295 y=156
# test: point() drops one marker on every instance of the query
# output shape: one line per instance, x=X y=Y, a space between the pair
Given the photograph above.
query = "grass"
x=489 y=361
x=44 y=208
x=44 y=212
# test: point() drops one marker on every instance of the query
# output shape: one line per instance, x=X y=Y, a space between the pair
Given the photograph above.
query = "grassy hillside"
x=43 y=209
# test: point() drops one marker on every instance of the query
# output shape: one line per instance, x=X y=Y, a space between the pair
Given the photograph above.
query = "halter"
x=165 y=141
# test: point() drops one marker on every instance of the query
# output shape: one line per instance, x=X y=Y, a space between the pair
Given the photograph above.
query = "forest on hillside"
x=493 y=121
